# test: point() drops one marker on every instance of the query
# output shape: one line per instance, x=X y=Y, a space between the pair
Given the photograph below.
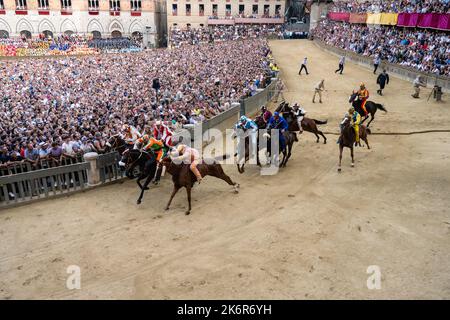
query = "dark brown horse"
x=371 y=107
x=348 y=138
x=182 y=176
x=116 y=143
x=309 y=125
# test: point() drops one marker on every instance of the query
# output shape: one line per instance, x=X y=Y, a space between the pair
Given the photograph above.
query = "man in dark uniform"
x=382 y=80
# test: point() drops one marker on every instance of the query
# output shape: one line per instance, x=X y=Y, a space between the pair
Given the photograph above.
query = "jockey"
x=356 y=120
x=245 y=124
x=363 y=95
x=189 y=155
x=299 y=113
x=163 y=133
x=265 y=114
x=278 y=122
x=150 y=143
x=130 y=134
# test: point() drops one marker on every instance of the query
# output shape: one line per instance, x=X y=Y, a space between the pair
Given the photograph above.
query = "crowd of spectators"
x=392 y=6
x=58 y=107
x=65 y=45
x=189 y=36
x=422 y=49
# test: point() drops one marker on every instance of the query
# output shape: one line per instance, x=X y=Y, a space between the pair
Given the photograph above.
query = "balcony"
x=188 y=13
x=201 y=13
x=66 y=11
x=174 y=12
x=21 y=10
x=136 y=12
x=93 y=11
x=114 y=12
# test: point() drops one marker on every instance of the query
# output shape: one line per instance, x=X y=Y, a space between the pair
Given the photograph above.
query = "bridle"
x=114 y=146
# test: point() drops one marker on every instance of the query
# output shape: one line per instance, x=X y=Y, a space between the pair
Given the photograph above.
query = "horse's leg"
x=188 y=191
x=289 y=152
x=175 y=190
x=372 y=116
x=340 y=157
x=143 y=188
x=366 y=141
x=353 y=160
x=317 y=136
x=324 y=138
x=365 y=118
x=220 y=174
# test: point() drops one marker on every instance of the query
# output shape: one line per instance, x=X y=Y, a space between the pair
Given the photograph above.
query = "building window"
x=114 y=5
x=266 y=10
x=21 y=4
x=174 y=9
x=93 y=5
x=136 y=5
x=277 y=9
x=214 y=9
x=43 y=4
x=2 y=6
x=66 y=4
x=228 y=9
x=241 y=9
x=201 y=9
x=188 y=9
x=255 y=9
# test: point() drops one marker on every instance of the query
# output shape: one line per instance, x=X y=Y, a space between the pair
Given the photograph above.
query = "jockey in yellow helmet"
x=363 y=95
x=356 y=120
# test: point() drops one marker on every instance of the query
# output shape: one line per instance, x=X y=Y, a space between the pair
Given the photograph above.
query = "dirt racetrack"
x=307 y=232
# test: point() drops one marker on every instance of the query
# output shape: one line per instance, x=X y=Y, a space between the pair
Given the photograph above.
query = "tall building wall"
x=107 y=18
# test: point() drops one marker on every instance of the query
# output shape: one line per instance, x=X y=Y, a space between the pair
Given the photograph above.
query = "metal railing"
x=108 y=167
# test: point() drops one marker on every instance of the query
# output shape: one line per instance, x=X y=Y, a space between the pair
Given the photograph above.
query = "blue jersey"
x=280 y=124
x=249 y=124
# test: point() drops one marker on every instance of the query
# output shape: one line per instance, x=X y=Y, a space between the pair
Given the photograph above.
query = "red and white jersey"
x=163 y=133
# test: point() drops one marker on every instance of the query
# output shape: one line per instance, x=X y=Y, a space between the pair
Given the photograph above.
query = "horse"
x=371 y=107
x=347 y=139
x=308 y=124
x=146 y=161
x=182 y=176
x=290 y=138
x=116 y=143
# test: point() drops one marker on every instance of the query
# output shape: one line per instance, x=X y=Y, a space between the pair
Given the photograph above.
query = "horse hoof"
x=339 y=169
x=353 y=165
x=138 y=202
x=187 y=213
x=324 y=142
x=166 y=208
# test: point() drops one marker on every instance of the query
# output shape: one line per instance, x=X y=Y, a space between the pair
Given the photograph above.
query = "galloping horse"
x=182 y=176
x=146 y=161
x=116 y=143
x=308 y=124
x=348 y=138
x=371 y=107
x=290 y=138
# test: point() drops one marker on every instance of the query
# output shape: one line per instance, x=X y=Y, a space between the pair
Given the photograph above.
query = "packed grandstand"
x=68 y=106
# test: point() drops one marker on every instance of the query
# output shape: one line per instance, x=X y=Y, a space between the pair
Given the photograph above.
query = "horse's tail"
x=381 y=107
x=320 y=122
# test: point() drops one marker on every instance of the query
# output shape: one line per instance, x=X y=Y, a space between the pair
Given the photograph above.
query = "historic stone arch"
x=136 y=26
x=46 y=25
x=94 y=25
x=68 y=25
x=24 y=25
x=4 y=26
x=115 y=26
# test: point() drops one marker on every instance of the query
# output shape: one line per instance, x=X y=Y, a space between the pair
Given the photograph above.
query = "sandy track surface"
x=307 y=232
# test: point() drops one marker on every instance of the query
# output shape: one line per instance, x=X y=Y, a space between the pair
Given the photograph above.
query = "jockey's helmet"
x=276 y=114
x=145 y=137
x=362 y=85
x=181 y=148
x=243 y=119
x=351 y=110
x=263 y=108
